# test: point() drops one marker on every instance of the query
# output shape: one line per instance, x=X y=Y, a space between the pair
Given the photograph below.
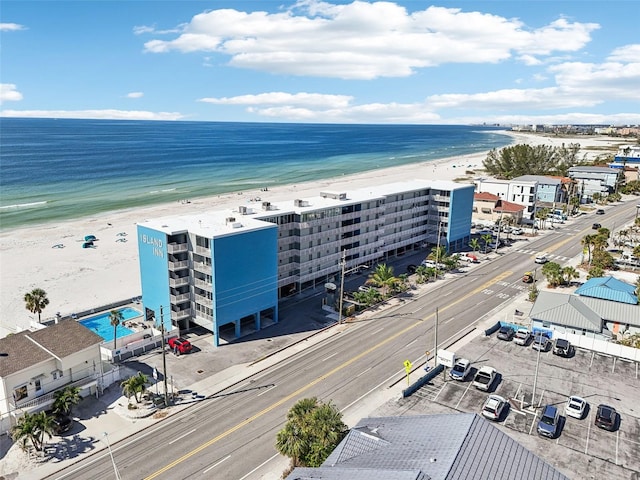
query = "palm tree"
x=36 y=300
x=487 y=238
x=134 y=386
x=553 y=272
x=438 y=254
x=115 y=318
x=587 y=242
x=312 y=432
x=31 y=429
x=474 y=243
x=569 y=273
x=65 y=400
x=383 y=277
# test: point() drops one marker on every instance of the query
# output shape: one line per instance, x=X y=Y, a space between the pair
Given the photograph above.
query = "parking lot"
x=580 y=444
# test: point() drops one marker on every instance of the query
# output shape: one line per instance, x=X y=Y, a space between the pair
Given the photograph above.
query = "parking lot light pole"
x=164 y=358
x=535 y=377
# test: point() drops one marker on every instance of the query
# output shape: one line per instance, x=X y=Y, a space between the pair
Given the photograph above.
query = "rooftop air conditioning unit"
x=266 y=205
x=242 y=210
x=230 y=220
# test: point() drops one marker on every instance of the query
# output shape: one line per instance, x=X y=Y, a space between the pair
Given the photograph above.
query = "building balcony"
x=180 y=298
x=177 y=247
x=179 y=281
x=180 y=314
x=202 y=251
x=202 y=284
x=202 y=267
x=173 y=266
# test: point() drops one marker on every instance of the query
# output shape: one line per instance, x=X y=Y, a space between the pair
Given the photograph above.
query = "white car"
x=460 y=369
x=484 y=378
x=575 y=407
x=493 y=407
x=522 y=337
x=541 y=258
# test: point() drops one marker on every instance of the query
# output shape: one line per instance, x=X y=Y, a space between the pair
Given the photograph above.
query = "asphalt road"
x=233 y=435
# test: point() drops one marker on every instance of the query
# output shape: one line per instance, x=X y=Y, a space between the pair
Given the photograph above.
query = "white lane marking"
x=267 y=390
x=363 y=372
x=260 y=466
x=379 y=330
x=216 y=464
x=182 y=436
x=327 y=358
x=411 y=342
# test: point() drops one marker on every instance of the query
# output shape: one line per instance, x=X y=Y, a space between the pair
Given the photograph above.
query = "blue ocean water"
x=54 y=170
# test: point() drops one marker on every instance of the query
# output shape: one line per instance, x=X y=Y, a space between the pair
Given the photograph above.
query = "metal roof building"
x=429 y=447
x=609 y=288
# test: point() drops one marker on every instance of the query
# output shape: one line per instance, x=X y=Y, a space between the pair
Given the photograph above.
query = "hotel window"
x=20 y=393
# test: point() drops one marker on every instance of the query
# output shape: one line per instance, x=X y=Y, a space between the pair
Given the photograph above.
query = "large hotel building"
x=225 y=268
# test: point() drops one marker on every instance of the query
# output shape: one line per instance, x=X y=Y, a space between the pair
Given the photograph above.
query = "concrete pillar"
x=256 y=317
x=238 y=328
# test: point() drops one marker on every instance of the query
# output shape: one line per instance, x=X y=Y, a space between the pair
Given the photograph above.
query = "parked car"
x=561 y=347
x=541 y=258
x=527 y=277
x=62 y=424
x=540 y=342
x=493 y=407
x=460 y=369
x=506 y=333
x=180 y=345
x=484 y=378
x=428 y=263
x=606 y=417
x=517 y=231
x=412 y=268
x=600 y=212
x=576 y=407
x=596 y=226
x=365 y=288
x=549 y=422
x=522 y=337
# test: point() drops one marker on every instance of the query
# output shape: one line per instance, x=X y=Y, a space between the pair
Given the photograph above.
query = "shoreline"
x=77 y=279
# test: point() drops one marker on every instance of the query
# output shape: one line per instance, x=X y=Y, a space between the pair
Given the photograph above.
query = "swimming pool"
x=102 y=325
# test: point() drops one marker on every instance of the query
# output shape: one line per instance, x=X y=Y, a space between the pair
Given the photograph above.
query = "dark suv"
x=548 y=424
x=606 y=417
x=506 y=333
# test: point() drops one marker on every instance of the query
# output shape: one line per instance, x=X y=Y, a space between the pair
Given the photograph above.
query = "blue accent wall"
x=245 y=274
x=154 y=276
x=461 y=209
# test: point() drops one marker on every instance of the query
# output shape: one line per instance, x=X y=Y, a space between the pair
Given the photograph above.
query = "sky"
x=373 y=62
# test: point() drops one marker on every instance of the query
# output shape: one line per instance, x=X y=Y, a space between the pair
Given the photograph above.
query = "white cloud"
x=11 y=27
x=9 y=93
x=628 y=53
x=282 y=98
x=364 y=40
x=110 y=114
x=135 y=95
x=144 y=29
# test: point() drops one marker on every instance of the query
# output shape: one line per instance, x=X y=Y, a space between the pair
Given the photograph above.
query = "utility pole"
x=164 y=358
x=343 y=263
x=435 y=274
x=435 y=347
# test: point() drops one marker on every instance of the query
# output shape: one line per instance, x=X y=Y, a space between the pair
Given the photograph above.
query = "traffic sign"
x=407 y=365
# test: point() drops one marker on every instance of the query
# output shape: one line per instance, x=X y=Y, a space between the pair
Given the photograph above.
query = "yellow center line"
x=318 y=380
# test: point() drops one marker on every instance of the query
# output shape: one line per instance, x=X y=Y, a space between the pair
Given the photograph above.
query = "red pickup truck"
x=180 y=345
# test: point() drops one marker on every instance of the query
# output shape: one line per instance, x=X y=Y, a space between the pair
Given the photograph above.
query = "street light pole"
x=535 y=377
x=113 y=462
x=343 y=263
x=164 y=358
x=435 y=347
x=435 y=274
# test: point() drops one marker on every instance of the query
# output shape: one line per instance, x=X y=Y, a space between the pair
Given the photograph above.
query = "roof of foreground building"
x=609 y=288
x=429 y=447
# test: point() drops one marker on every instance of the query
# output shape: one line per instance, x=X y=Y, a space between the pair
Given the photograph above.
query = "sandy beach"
x=51 y=257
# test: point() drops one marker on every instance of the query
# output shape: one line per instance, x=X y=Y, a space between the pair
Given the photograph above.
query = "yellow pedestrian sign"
x=407 y=368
